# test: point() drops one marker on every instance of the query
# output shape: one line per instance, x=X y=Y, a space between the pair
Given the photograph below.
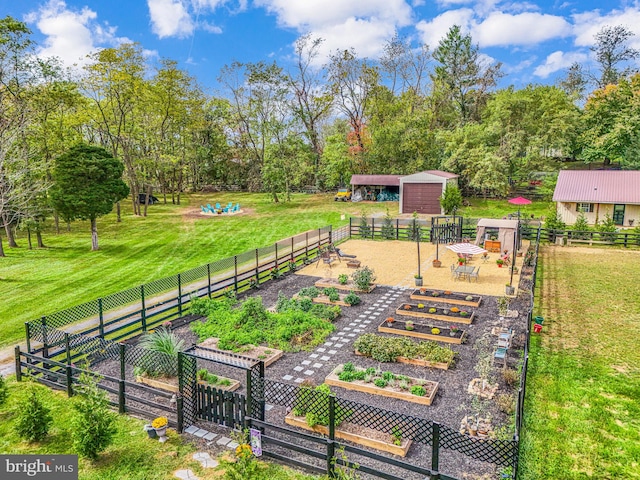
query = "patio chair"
x=455 y=275
x=500 y=354
x=475 y=274
x=325 y=257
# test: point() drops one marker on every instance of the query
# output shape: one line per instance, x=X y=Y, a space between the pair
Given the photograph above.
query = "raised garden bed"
x=349 y=286
x=325 y=299
x=365 y=436
x=170 y=384
x=390 y=390
x=266 y=354
x=445 y=296
x=418 y=362
x=453 y=314
x=423 y=331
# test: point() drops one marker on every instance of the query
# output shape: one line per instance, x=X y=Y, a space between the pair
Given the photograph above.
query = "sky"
x=536 y=40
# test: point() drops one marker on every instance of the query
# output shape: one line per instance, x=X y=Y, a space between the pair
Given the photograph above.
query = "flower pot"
x=161 y=433
x=418 y=282
x=509 y=290
x=499 y=265
x=437 y=263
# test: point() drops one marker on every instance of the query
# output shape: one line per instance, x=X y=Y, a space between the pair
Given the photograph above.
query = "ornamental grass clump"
x=161 y=356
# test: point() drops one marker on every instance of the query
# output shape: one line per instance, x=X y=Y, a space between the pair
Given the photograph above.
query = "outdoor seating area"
x=218 y=209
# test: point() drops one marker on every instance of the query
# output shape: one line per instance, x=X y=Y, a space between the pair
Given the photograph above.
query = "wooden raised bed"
x=367 y=441
x=325 y=299
x=250 y=351
x=349 y=286
x=360 y=386
x=423 y=332
x=455 y=298
x=171 y=384
x=424 y=313
x=415 y=361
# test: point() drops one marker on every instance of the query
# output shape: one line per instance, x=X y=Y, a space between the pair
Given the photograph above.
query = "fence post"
x=27 y=329
x=257 y=268
x=45 y=348
x=397 y=228
x=276 y=245
x=69 y=381
x=121 y=398
x=67 y=348
x=143 y=312
x=235 y=273
x=292 y=255
x=101 y=317
x=350 y=227
x=18 y=365
x=179 y=295
x=180 y=408
x=331 y=446
x=330 y=234
x=209 y=279
x=373 y=228
x=249 y=396
x=435 y=452
x=306 y=246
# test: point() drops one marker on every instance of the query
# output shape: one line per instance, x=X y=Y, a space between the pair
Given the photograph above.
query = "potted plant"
x=160 y=426
x=500 y=262
x=509 y=290
x=462 y=260
x=453 y=330
x=343 y=278
x=436 y=263
x=418 y=279
x=292 y=265
x=409 y=325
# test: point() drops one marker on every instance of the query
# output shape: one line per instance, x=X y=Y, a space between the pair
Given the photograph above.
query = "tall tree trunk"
x=146 y=200
x=56 y=221
x=11 y=240
x=68 y=226
x=39 y=239
x=94 y=234
x=1 y=248
x=118 y=214
x=29 y=238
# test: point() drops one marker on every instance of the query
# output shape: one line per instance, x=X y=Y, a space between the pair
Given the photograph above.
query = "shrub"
x=418 y=390
x=343 y=278
x=33 y=416
x=510 y=376
x=93 y=424
x=352 y=299
x=311 y=292
x=167 y=346
x=4 y=390
x=363 y=278
x=506 y=403
x=380 y=382
x=365 y=229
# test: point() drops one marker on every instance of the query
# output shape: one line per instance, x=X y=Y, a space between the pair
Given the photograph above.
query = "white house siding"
x=568 y=214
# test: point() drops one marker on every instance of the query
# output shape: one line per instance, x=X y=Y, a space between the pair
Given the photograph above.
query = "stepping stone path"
x=205 y=460
x=323 y=354
x=185 y=474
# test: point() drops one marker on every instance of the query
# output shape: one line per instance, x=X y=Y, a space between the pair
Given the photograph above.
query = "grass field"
x=171 y=239
x=132 y=455
x=583 y=392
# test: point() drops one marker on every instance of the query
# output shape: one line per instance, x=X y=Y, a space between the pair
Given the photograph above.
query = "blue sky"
x=535 y=40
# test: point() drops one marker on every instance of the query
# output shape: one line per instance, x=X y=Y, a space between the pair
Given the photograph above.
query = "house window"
x=584 y=207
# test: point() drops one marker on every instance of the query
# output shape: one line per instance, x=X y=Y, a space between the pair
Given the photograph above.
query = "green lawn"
x=490 y=208
x=582 y=408
x=139 y=250
x=132 y=455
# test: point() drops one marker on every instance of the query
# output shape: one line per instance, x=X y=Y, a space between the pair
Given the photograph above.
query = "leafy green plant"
x=380 y=382
x=94 y=423
x=34 y=417
x=364 y=228
x=388 y=230
x=396 y=435
x=313 y=404
x=343 y=278
x=311 y=292
x=352 y=299
x=4 y=391
x=332 y=293
x=161 y=357
x=418 y=390
x=363 y=278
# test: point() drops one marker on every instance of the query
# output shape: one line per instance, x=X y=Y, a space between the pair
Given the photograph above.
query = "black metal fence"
x=136 y=310
x=57 y=361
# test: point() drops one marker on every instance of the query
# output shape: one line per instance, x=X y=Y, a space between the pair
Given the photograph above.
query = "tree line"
x=277 y=130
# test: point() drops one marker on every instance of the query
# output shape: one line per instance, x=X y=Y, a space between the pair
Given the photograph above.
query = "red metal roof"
x=598 y=186
x=386 y=180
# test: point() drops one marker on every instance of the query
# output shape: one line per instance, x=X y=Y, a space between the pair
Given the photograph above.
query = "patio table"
x=463 y=271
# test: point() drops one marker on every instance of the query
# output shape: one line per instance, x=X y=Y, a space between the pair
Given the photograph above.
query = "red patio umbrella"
x=519 y=201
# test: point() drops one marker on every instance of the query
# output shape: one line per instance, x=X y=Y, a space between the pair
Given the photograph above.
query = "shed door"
x=421 y=198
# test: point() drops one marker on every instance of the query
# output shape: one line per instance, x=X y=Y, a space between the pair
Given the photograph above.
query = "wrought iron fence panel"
x=500 y=452
x=73 y=314
x=160 y=286
x=193 y=275
x=126 y=297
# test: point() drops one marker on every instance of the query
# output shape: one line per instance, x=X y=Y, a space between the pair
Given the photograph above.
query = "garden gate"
x=447 y=229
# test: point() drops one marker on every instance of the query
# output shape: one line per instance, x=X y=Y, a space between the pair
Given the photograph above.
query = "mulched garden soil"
x=451 y=403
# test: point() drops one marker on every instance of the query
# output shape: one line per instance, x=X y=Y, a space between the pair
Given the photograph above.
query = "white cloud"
x=588 y=24
x=432 y=32
x=71 y=34
x=500 y=29
x=312 y=14
x=367 y=37
x=559 y=61
x=169 y=18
